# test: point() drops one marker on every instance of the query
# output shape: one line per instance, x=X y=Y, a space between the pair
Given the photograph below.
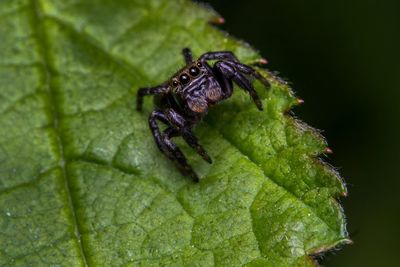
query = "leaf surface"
x=81 y=180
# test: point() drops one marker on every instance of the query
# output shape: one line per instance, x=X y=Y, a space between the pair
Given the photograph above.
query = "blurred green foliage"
x=342 y=57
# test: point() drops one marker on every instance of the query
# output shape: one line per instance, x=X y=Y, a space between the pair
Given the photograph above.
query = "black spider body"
x=185 y=98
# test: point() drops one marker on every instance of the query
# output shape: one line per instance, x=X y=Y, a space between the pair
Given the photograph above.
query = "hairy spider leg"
x=221 y=55
x=185 y=168
x=187 y=54
x=162 y=89
x=166 y=146
x=179 y=123
x=230 y=72
x=232 y=60
x=225 y=83
x=250 y=71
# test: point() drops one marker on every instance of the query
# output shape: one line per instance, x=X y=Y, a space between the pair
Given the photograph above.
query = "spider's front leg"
x=182 y=126
x=250 y=71
x=229 y=73
x=187 y=54
x=166 y=146
x=220 y=55
x=162 y=89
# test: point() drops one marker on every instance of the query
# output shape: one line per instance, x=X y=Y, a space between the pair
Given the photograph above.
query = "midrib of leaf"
x=42 y=41
x=39 y=16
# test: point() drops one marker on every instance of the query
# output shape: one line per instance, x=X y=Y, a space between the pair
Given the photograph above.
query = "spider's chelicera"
x=185 y=98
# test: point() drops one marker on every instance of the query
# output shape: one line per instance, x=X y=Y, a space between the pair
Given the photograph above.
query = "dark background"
x=342 y=58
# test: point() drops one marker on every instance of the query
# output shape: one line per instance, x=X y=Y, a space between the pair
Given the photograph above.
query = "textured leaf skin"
x=81 y=180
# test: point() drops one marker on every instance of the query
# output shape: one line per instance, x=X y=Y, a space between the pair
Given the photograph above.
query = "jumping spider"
x=185 y=98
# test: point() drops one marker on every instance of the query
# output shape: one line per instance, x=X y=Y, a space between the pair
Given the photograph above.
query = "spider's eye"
x=184 y=78
x=199 y=64
x=194 y=71
x=175 y=83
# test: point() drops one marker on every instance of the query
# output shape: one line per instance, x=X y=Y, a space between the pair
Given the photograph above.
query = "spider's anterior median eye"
x=184 y=78
x=194 y=71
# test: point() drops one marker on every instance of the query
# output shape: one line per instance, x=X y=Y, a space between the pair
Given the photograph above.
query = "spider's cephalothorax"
x=184 y=99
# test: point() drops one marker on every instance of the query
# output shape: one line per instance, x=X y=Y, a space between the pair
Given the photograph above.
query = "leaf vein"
x=94 y=43
x=271 y=178
x=42 y=35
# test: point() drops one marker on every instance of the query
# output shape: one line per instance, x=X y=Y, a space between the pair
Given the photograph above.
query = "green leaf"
x=81 y=180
